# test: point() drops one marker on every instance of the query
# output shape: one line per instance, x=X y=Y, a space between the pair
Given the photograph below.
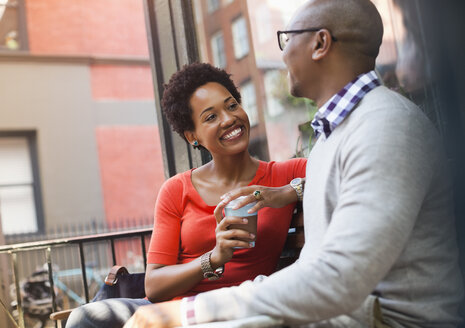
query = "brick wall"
x=84 y=27
x=132 y=170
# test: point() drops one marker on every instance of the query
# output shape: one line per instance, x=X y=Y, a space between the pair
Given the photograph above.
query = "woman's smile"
x=233 y=133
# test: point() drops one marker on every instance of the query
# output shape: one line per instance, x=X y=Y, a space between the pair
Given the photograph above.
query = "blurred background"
x=84 y=148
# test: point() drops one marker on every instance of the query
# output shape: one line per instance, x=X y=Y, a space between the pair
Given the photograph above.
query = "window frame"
x=219 y=58
x=243 y=87
x=31 y=137
x=241 y=41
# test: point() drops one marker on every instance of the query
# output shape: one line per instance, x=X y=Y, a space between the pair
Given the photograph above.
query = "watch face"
x=296 y=181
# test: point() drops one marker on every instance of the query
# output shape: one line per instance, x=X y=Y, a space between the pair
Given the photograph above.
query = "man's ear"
x=322 y=44
x=190 y=136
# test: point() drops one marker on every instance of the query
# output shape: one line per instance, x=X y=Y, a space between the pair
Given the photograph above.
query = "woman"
x=202 y=104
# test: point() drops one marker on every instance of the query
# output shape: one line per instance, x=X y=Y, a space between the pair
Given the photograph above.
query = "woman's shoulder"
x=174 y=191
x=177 y=182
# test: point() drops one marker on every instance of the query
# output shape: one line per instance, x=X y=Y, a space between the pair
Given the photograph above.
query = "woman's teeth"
x=232 y=134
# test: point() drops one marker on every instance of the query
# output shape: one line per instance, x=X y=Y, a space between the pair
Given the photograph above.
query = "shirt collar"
x=333 y=112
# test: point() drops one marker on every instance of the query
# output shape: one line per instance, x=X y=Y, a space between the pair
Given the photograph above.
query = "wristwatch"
x=208 y=272
x=298 y=185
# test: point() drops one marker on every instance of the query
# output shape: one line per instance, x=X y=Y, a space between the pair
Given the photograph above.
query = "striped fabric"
x=187 y=311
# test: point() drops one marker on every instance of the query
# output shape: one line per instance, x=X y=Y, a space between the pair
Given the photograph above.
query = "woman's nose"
x=227 y=119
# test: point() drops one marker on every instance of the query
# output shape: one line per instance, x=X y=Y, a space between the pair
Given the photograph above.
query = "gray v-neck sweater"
x=378 y=226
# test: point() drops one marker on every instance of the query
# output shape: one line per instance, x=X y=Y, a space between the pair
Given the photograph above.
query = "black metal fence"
x=75 y=260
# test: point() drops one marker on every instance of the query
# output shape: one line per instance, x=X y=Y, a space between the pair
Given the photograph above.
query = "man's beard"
x=295 y=90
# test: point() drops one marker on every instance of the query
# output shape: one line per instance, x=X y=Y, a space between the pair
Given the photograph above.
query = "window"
x=212 y=5
x=9 y=25
x=264 y=25
x=219 y=56
x=271 y=80
x=249 y=102
x=18 y=185
x=240 y=37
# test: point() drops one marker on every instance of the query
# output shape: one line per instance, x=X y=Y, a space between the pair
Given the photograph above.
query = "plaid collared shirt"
x=333 y=112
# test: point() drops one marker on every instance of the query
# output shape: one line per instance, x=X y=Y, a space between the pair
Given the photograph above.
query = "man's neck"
x=334 y=83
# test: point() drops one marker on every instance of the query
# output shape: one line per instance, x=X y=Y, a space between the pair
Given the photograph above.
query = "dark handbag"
x=121 y=284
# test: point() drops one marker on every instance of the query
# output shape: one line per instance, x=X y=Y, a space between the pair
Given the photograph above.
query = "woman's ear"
x=322 y=44
x=190 y=137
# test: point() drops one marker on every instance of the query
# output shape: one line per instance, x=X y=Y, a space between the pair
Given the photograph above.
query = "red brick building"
x=77 y=89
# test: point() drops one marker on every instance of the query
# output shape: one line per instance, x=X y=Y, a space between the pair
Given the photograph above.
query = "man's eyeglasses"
x=283 y=37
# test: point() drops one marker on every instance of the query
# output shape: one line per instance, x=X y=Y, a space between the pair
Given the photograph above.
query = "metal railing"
x=47 y=246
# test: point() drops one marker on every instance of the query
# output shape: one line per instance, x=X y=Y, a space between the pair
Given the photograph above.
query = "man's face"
x=297 y=57
x=297 y=54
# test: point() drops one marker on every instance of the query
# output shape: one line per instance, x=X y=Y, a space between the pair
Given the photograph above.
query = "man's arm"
x=386 y=169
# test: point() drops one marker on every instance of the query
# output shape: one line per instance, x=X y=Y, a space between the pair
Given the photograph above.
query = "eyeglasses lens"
x=283 y=40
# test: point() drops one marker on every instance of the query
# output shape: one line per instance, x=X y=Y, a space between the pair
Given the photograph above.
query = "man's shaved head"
x=356 y=23
x=318 y=65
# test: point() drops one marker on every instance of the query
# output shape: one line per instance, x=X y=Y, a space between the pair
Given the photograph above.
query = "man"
x=381 y=248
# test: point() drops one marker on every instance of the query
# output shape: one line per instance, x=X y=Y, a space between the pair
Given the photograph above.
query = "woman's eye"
x=210 y=117
x=233 y=106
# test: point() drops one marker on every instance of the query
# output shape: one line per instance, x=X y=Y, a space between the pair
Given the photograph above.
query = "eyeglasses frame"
x=311 y=29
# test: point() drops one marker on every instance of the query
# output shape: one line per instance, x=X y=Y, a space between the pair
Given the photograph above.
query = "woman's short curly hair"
x=181 y=86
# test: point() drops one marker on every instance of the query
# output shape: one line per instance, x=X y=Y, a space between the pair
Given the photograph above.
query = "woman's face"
x=221 y=124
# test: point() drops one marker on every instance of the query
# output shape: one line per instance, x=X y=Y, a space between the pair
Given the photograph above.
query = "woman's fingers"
x=233 y=194
x=231 y=244
x=218 y=212
x=234 y=234
x=274 y=197
x=227 y=239
x=251 y=196
x=261 y=204
x=229 y=220
x=261 y=194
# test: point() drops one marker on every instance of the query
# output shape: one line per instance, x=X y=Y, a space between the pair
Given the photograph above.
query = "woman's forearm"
x=165 y=282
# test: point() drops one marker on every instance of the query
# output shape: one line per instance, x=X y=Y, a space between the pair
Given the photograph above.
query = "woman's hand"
x=227 y=239
x=160 y=315
x=275 y=197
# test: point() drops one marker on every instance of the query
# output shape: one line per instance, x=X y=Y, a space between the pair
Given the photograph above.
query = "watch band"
x=297 y=184
x=208 y=272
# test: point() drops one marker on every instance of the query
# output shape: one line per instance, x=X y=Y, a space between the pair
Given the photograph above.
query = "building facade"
x=78 y=132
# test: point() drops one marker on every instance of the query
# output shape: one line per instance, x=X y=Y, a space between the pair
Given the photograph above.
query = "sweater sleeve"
x=164 y=243
x=383 y=181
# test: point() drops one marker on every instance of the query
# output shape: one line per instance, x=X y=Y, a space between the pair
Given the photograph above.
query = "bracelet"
x=208 y=272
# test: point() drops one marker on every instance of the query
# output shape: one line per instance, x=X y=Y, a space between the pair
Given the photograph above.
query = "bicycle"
x=37 y=298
